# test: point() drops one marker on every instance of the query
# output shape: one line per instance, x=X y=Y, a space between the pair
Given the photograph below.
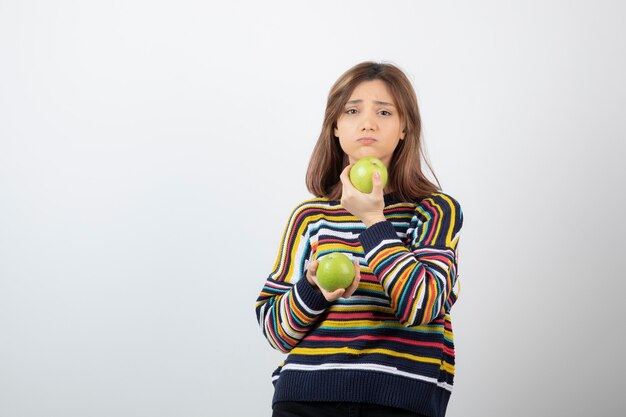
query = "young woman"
x=383 y=346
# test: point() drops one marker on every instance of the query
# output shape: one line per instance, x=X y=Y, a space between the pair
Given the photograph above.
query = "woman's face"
x=369 y=124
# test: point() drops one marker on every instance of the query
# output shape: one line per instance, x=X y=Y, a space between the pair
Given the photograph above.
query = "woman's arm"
x=420 y=279
x=288 y=305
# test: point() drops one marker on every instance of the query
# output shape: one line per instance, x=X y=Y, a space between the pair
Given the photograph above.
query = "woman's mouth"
x=366 y=141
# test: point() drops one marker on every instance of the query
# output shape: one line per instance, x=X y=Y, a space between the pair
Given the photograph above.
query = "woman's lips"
x=366 y=141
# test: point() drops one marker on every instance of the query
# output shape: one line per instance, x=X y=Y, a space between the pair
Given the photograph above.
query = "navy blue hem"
x=362 y=386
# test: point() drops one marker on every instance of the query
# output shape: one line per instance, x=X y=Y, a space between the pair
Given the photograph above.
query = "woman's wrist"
x=373 y=219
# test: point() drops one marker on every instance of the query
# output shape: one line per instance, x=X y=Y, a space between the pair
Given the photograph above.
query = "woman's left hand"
x=367 y=207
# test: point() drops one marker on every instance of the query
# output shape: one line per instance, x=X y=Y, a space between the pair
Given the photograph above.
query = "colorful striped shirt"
x=391 y=342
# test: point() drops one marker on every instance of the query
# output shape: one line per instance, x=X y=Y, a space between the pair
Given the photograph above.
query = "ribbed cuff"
x=312 y=298
x=376 y=233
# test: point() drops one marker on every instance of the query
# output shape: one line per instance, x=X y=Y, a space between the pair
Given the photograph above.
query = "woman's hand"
x=367 y=207
x=311 y=276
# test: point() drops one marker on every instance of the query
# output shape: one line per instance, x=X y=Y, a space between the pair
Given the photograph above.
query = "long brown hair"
x=406 y=178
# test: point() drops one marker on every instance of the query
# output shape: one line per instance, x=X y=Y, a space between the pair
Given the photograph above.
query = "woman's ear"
x=403 y=132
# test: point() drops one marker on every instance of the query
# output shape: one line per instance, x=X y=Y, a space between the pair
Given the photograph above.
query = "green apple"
x=362 y=171
x=335 y=271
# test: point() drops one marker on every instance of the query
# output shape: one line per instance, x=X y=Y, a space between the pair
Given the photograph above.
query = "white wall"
x=150 y=152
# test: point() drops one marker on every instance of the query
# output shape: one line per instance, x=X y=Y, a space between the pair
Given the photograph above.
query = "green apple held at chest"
x=362 y=171
x=335 y=271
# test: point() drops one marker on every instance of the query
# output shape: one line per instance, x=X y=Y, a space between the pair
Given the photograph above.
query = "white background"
x=151 y=151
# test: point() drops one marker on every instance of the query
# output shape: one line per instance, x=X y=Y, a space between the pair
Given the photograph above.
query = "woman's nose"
x=368 y=123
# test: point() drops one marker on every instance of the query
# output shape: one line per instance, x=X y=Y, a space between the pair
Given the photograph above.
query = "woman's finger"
x=345 y=176
x=332 y=296
x=311 y=274
x=377 y=184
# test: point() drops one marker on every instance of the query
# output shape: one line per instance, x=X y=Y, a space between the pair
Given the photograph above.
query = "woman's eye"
x=385 y=113
x=351 y=111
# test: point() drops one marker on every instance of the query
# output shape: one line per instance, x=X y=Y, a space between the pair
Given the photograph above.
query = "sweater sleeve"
x=420 y=278
x=288 y=306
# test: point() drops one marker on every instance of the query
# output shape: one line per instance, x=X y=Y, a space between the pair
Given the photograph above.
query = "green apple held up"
x=362 y=171
x=335 y=271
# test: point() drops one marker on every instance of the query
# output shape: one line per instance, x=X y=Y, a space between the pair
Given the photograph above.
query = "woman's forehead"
x=372 y=90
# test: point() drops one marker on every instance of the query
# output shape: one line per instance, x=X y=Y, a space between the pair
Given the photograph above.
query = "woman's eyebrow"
x=382 y=103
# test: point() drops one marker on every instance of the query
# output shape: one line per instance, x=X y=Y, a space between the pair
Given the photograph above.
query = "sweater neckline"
x=391 y=198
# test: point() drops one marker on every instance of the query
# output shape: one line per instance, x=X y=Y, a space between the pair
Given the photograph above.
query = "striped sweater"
x=391 y=343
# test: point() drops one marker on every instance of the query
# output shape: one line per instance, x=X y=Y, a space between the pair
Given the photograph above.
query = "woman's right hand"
x=311 y=276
